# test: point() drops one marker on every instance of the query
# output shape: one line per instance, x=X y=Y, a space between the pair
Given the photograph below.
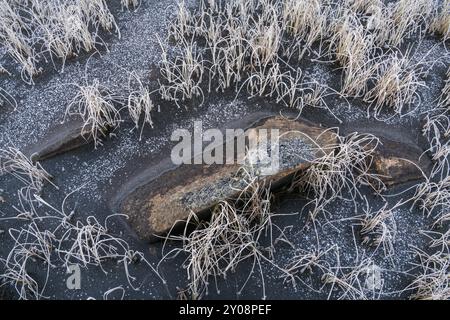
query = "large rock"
x=154 y=206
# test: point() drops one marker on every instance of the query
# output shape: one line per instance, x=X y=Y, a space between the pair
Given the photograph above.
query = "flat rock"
x=156 y=203
x=154 y=206
x=397 y=158
x=398 y=162
x=61 y=139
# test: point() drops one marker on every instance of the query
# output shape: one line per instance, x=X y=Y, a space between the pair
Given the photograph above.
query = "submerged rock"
x=61 y=139
x=156 y=205
x=397 y=162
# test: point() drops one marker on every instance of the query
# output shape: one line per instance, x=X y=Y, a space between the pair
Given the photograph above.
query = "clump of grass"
x=379 y=228
x=244 y=46
x=33 y=175
x=437 y=131
x=130 y=4
x=341 y=169
x=139 y=102
x=352 y=48
x=14 y=35
x=252 y=45
x=183 y=24
x=91 y=244
x=360 y=281
x=441 y=21
x=434 y=199
x=433 y=281
x=396 y=83
x=379 y=23
x=99 y=14
x=67 y=34
x=232 y=235
x=307 y=262
x=438 y=240
x=265 y=81
x=409 y=17
x=362 y=6
x=87 y=243
x=182 y=76
x=95 y=104
x=30 y=245
x=265 y=37
x=36 y=31
x=307 y=22
x=348 y=42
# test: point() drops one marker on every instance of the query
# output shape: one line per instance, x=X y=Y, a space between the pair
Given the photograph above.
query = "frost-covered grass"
x=34 y=32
